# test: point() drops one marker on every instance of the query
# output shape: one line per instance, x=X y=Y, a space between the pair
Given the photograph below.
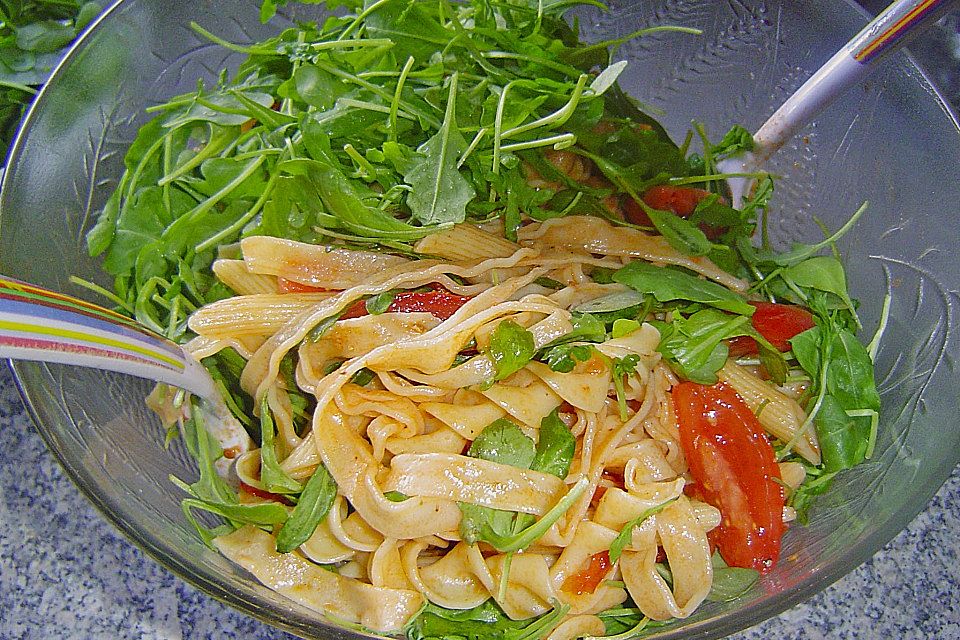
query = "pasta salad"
x=509 y=362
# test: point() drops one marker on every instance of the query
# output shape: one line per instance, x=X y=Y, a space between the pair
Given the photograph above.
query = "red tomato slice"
x=439 y=302
x=775 y=322
x=587 y=580
x=735 y=470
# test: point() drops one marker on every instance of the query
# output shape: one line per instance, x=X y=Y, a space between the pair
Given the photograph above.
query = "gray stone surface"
x=66 y=573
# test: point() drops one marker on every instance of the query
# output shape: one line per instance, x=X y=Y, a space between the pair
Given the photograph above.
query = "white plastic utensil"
x=46 y=326
x=895 y=26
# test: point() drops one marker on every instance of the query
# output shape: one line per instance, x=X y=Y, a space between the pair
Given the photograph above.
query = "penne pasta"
x=779 y=414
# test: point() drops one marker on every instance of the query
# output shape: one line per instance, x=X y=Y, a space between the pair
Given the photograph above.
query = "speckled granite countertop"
x=66 y=573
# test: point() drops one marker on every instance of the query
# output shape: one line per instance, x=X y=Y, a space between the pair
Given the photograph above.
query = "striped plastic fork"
x=890 y=30
x=46 y=326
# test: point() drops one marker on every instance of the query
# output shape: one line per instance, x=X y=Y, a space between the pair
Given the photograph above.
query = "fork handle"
x=39 y=324
x=895 y=26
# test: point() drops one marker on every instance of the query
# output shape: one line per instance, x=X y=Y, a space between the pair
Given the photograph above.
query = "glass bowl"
x=891 y=141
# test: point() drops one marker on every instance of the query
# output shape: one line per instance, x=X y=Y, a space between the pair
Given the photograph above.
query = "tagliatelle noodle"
x=311 y=264
x=595 y=235
x=450 y=582
x=677 y=529
x=381 y=608
x=465 y=479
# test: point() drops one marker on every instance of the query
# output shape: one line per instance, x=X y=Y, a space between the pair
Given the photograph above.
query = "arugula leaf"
x=623 y=327
x=342 y=198
x=555 y=447
x=478 y=523
x=33 y=38
x=502 y=441
x=273 y=477
x=667 y=285
x=379 y=303
x=483 y=621
x=622 y=368
x=586 y=328
x=845 y=395
x=803 y=497
x=439 y=193
x=500 y=534
x=823 y=273
x=206 y=450
x=549 y=283
x=736 y=140
x=268 y=8
x=683 y=235
x=46 y=36
x=801 y=252
x=263 y=514
x=561 y=355
x=511 y=348
x=730 y=583
x=315 y=502
x=806 y=349
x=851 y=373
x=759 y=199
x=363 y=377
x=140 y=223
x=772 y=360
x=843 y=439
x=694 y=345
x=564 y=357
x=211 y=493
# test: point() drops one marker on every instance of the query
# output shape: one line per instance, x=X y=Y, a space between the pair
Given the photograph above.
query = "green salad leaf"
x=668 y=285
x=511 y=347
x=312 y=507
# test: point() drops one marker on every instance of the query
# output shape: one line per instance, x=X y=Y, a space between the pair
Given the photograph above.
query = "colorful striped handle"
x=38 y=324
x=886 y=33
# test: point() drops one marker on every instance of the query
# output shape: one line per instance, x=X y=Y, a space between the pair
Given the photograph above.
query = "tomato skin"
x=735 y=470
x=775 y=322
x=440 y=303
x=587 y=580
x=681 y=201
x=357 y=309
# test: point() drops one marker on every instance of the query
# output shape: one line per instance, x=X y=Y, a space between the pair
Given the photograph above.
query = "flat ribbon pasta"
x=382 y=609
x=688 y=552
